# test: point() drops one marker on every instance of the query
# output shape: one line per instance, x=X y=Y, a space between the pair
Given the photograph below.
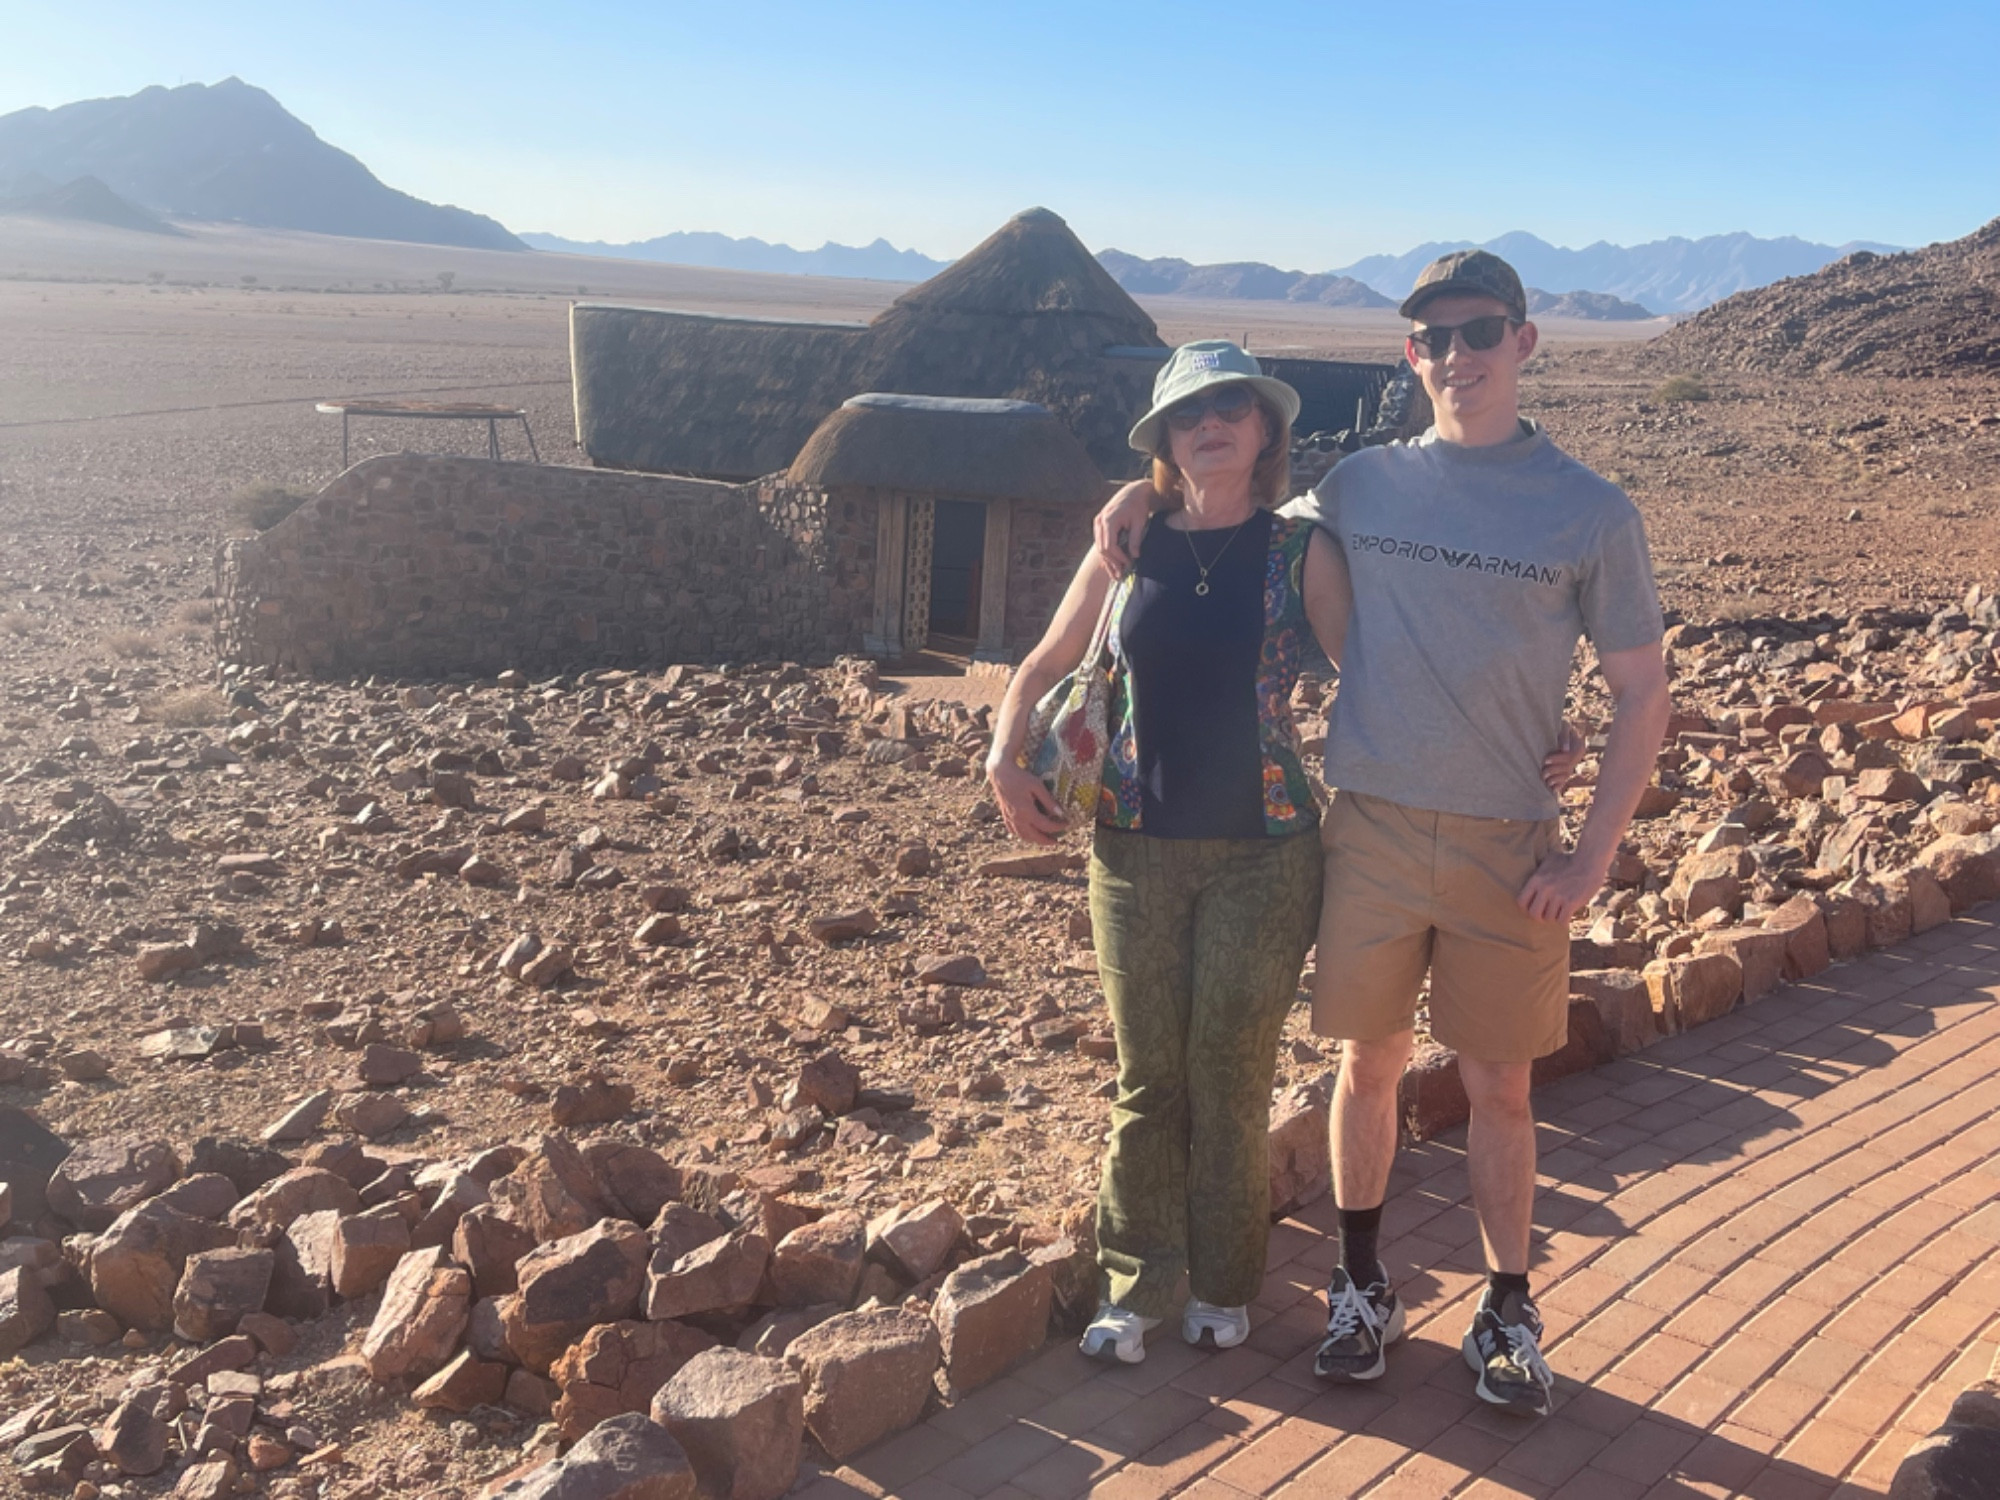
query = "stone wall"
x=413 y=564
x=1047 y=543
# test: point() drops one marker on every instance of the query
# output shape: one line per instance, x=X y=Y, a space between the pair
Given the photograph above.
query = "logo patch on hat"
x=1207 y=359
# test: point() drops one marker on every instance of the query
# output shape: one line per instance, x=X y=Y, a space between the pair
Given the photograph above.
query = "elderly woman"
x=1205 y=870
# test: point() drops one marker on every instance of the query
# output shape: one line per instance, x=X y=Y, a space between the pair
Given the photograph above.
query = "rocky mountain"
x=229 y=152
x=1674 y=275
x=1922 y=312
x=85 y=198
x=1251 y=280
x=880 y=261
x=1601 y=306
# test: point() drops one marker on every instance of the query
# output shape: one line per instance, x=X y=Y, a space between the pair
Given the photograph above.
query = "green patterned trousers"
x=1199 y=946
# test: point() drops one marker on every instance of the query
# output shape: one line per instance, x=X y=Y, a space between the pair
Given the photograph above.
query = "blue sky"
x=1299 y=133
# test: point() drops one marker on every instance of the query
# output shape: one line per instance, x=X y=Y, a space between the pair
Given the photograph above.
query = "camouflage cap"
x=1468 y=273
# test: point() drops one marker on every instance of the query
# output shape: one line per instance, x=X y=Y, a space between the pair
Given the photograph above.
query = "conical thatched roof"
x=939 y=445
x=1030 y=264
x=1027 y=315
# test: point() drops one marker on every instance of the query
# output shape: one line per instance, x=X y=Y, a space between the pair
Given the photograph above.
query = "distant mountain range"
x=225 y=152
x=1664 y=276
x=231 y=152
x=1602 y=281
x=1249 y=279
x=880 y=261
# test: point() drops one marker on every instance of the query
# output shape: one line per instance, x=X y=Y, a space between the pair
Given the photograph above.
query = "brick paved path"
x=1768 y=1253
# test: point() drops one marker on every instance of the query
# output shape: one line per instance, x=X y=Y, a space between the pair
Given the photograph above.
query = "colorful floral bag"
x=1068 y=730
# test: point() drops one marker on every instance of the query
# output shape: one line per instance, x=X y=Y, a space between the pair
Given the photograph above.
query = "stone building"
x=982 y=509
x=796 y=490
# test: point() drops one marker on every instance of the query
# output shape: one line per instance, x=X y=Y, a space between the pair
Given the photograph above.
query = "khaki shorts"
x=1409 y=891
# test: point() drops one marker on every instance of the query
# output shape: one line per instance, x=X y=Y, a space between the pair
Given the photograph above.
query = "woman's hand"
x=1026 y=807
x=1120 y=524
x=1560 y=764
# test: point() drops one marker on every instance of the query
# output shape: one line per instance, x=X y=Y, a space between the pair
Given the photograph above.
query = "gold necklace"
x=1201 y=588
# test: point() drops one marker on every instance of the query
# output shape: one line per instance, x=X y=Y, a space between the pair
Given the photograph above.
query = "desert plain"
x=146 y=382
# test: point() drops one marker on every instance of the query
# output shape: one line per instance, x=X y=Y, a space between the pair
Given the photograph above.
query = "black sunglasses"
x=1232 y=404
x=1478 y=333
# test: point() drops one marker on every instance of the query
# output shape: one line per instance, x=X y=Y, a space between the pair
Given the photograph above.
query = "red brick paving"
x=1768 y=1253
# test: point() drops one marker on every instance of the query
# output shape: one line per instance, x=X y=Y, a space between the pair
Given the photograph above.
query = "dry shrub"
x=197 y=612
x=188 y=708
x=262 y=506
x=1682 y=388
x=133 y=645
x=17 y=622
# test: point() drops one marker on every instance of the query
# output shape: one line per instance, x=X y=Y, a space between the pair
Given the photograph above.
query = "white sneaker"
x=1117 y=1334
x=1226 y=1327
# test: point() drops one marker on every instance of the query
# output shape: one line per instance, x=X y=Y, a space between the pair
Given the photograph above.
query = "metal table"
x=433 y=411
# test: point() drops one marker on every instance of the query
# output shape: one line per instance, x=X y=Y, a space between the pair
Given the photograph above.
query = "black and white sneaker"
x=1503 y=1346
x=1361 y=1322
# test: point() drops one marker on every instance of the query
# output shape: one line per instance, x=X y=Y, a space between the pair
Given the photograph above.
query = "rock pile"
x=587 y=1284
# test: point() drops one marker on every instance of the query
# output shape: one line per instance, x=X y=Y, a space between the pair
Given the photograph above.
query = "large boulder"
x=1624 y=1006
x=1711 y=882
x=136 y=1264
x=570 y=1286
x=990 y=1313
x=619 y=1367
x=101 y=1179
x=302 y=1278
x=366 y=1248
x=1758 y=952
x=467 y=1381
x=1692 y=989
x=1804 y=928
x=1432 y=1094
x=490 y=1245
x=629 y=1457
x=551 y=1192
x=1967 y=866
x=820 y=1261
x=133 y=1439
x=713 y=1277
x=423 y=1312
x=916 y=1242
x=1301 y=1171
x=288 y=1196
x=741 y=1420
x=26 y=1313
x=867 y=1374
x=218 y=1288
x=638 y=1182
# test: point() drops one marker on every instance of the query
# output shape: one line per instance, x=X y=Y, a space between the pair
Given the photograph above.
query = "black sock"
x=1500 y=1283
x=1359 y=1228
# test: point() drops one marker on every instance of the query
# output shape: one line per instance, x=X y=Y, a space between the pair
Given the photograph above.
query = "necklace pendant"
x=1202 y=587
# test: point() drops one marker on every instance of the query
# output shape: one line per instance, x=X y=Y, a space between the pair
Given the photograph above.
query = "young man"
x=1479 y=554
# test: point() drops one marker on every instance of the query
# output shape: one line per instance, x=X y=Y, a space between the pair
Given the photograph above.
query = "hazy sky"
x=1306 y=134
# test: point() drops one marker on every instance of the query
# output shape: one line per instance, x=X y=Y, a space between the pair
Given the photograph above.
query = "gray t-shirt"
x=1475 y=572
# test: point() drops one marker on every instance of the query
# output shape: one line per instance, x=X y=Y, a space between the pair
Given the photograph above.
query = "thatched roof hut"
x=1028 y=315
x=941 y=445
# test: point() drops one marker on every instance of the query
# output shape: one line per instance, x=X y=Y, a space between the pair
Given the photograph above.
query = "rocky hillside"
x=1924 y=312
x=227 y=152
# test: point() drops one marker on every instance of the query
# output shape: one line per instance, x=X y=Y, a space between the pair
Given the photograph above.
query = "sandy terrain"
x=131 y=411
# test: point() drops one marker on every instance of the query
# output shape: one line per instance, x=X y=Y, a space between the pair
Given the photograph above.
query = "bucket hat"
x=1197 y=366
x=1479 y=273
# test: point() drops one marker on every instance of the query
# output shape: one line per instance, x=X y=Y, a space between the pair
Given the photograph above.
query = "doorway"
x=958 y=550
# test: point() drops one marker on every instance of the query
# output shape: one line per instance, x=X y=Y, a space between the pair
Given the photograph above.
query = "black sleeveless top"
x=1194 y=660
